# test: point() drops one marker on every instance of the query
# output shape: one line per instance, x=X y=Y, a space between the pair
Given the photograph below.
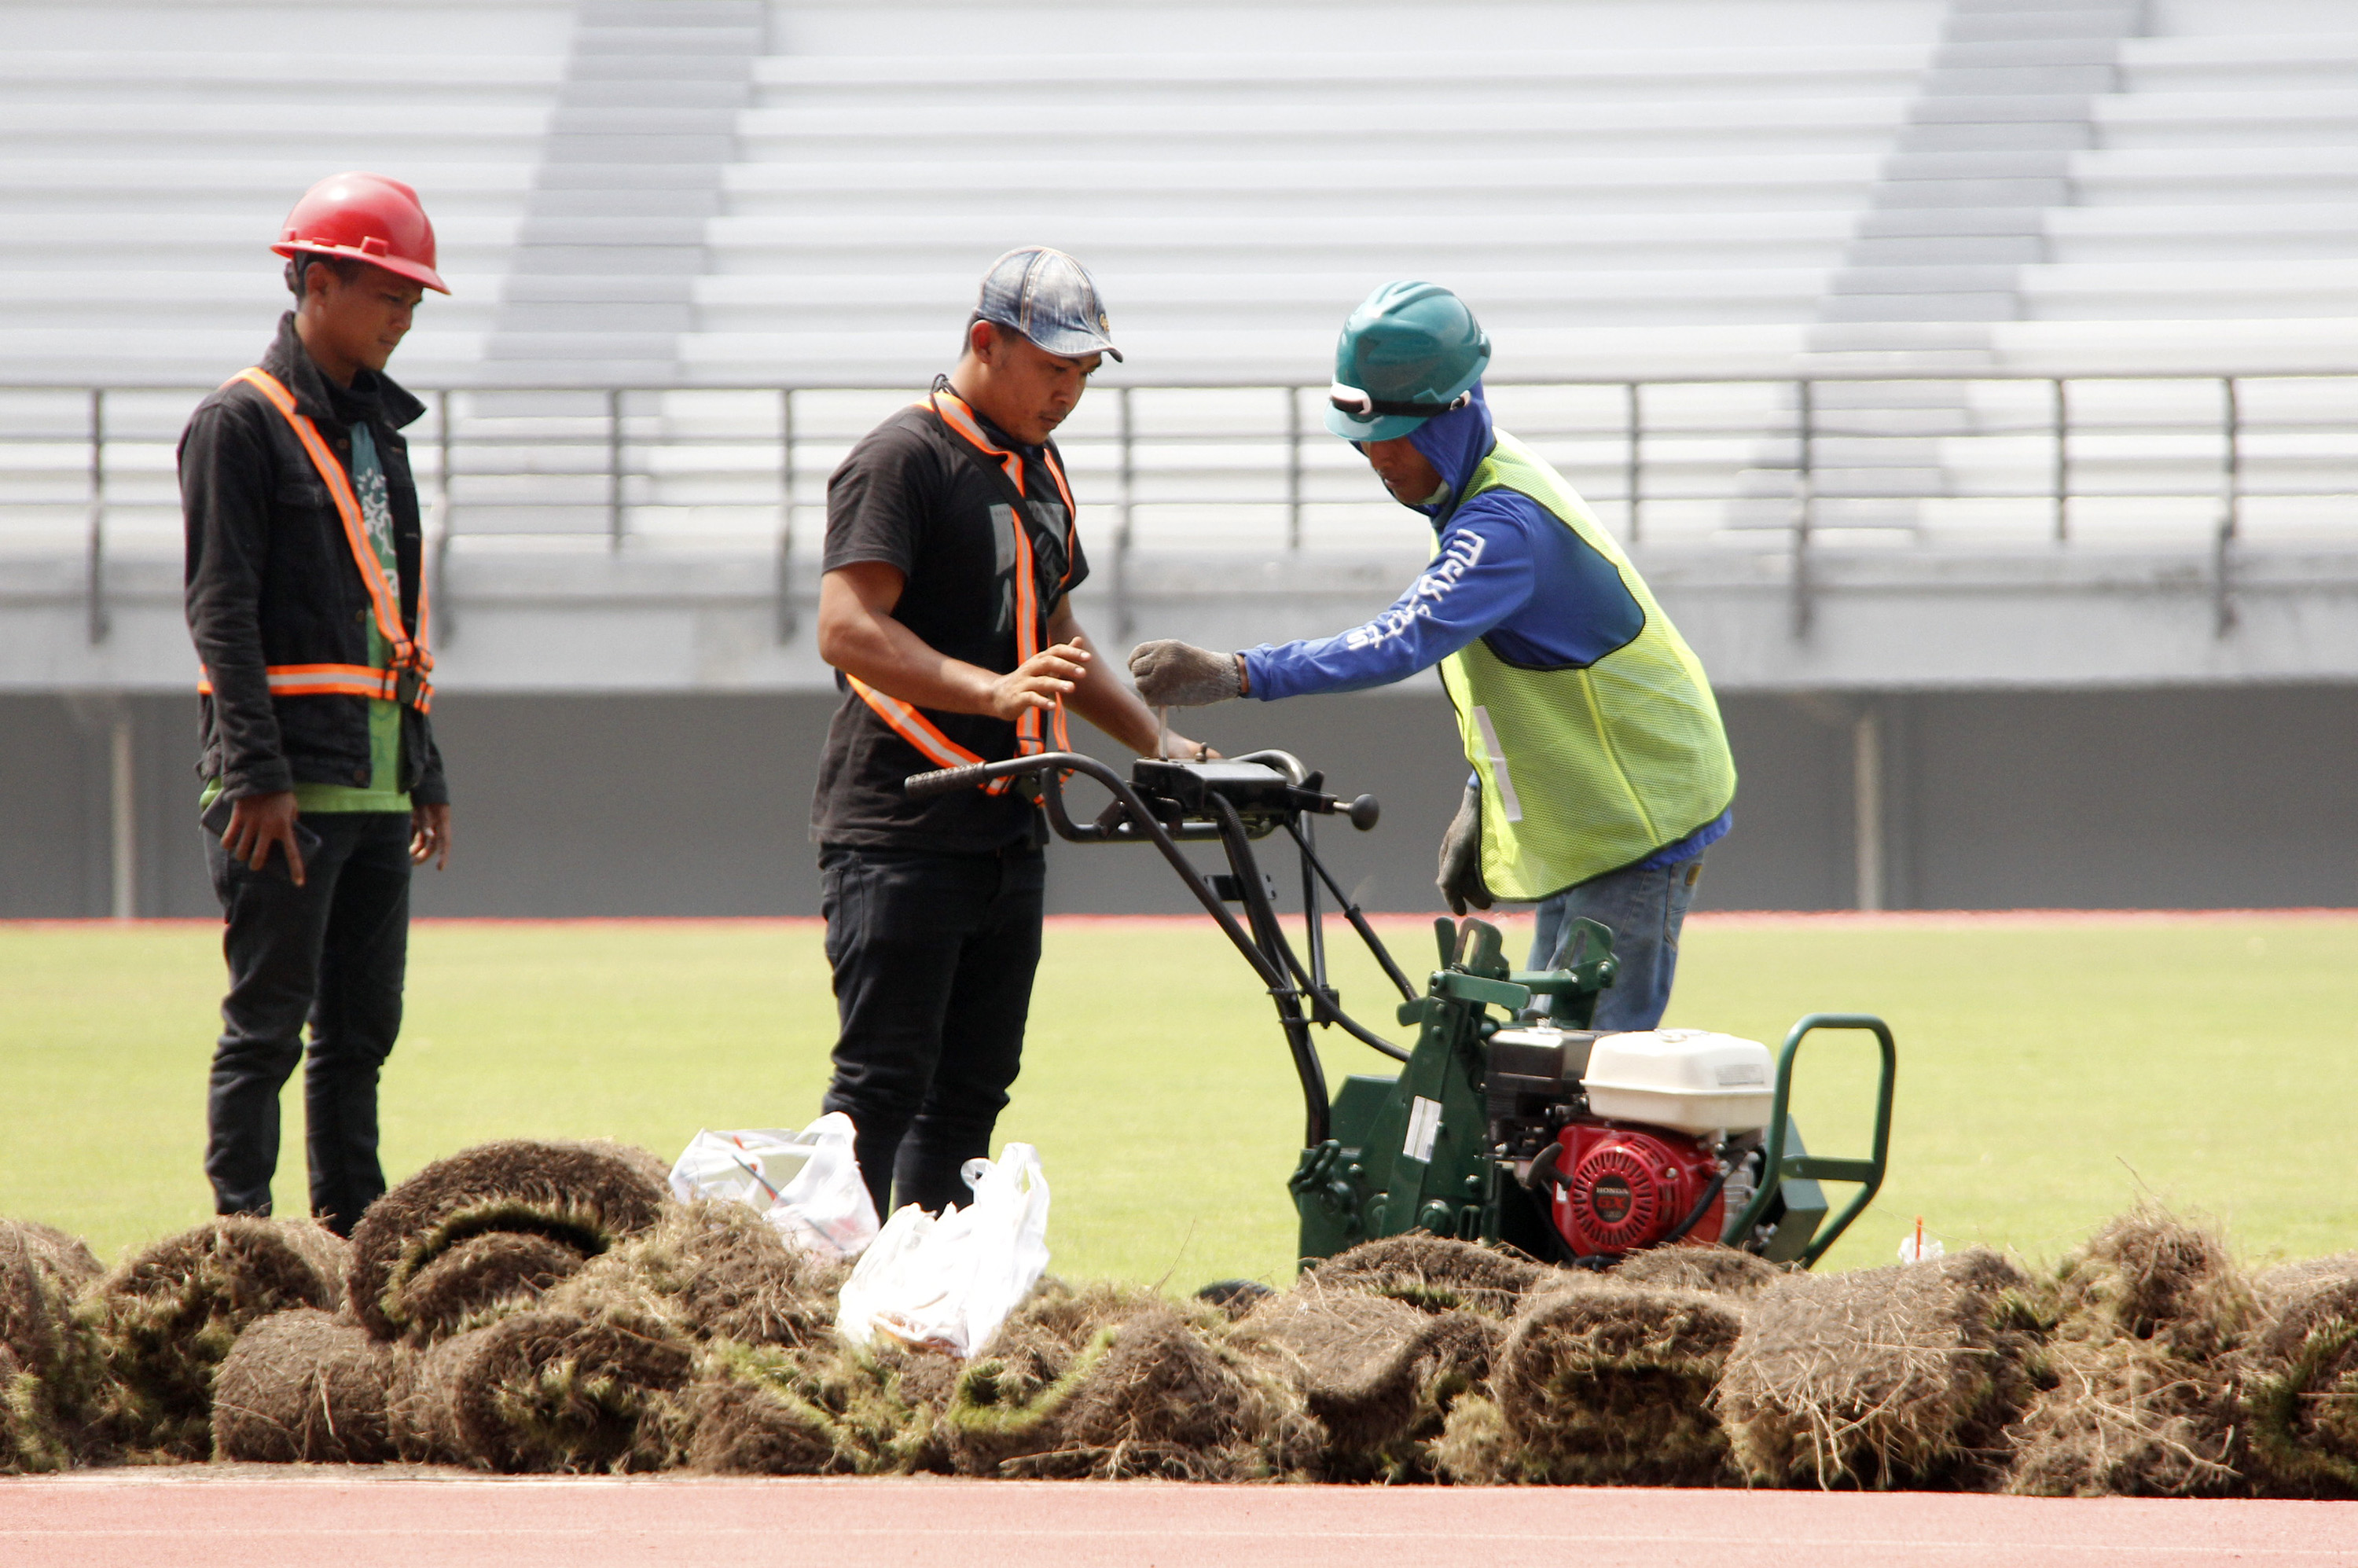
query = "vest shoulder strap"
x=406 y=679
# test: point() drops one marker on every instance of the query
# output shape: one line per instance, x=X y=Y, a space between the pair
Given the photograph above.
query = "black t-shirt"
x=913 y=495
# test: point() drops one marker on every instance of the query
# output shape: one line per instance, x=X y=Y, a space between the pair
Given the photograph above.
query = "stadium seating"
x=713 y=193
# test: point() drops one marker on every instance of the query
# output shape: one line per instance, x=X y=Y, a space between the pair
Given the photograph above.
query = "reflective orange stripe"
x=913 y=727
x=410 y=654
x=329 y=680
x=1029 y=622
x=960 y=418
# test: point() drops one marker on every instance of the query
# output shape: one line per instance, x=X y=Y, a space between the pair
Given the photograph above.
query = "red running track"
x=302 y=1518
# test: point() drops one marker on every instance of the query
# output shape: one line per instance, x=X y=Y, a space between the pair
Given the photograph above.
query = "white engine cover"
x=1690 y=1079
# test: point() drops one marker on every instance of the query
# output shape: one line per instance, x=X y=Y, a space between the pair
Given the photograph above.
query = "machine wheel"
x=1235 y=1297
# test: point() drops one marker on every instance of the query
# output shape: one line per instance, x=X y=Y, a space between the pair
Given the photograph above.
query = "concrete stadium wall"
x=673 y=806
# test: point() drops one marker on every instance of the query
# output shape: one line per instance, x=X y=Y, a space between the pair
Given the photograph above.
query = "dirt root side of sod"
x=551 y=1307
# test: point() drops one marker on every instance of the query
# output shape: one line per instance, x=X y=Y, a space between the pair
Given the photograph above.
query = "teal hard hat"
x=1410 y=350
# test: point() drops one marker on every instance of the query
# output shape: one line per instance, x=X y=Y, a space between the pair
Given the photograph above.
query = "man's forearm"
x=1103 y=698
x=880 y=652
x=1106 y=702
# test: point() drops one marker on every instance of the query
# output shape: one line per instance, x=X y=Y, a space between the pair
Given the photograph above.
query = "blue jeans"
x=1644 y=910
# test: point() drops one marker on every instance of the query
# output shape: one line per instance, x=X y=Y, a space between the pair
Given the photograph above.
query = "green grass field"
x=2050 y=1071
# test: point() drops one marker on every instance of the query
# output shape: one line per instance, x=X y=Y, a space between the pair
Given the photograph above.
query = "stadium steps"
x=601 y=282
x=1229 y=208
x=157 y=148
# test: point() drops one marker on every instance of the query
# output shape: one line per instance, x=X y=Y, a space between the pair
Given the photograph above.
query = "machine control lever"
x=1362 y=811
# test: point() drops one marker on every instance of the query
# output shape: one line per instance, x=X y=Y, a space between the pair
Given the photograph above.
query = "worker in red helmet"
x=321 y=783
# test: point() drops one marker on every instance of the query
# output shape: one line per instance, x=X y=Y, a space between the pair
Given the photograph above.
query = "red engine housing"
x=1627 y=1187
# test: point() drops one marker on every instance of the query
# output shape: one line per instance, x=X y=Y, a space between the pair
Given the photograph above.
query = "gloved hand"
x=1461 y=857
x=1172 y=673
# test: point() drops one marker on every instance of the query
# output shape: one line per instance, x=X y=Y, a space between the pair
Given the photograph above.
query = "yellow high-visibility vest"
x=1587 y=769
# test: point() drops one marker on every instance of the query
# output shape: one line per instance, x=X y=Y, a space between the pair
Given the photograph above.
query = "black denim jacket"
x=271 y=579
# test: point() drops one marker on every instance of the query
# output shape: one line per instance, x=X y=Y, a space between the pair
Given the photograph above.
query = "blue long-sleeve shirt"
x=1506 y=571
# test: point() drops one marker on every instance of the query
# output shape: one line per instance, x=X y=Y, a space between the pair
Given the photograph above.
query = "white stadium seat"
x=683 y=193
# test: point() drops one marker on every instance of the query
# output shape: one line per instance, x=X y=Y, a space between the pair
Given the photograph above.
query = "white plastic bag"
x=947 y=1283
x=805 y=1184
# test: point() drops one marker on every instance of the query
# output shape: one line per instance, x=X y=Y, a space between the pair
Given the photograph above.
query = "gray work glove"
x=1461 y=857
x=1172 y=673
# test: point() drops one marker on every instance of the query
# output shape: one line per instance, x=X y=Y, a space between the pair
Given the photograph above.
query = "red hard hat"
x=365 y=217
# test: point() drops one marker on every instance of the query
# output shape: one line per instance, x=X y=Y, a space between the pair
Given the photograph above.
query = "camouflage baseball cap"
x=1050 y=299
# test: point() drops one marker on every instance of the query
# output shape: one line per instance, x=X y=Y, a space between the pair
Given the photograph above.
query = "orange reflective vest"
x=1031 y=737
x=403 y=679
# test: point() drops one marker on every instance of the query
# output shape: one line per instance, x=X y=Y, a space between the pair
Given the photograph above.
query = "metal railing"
x=1800 y=468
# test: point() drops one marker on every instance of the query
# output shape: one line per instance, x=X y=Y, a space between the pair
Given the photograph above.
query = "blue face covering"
x=1455 y=444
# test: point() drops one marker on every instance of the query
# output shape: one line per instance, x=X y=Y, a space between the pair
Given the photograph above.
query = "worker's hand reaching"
x=1038 y=681
x=1461 y=857
x=1172 y=673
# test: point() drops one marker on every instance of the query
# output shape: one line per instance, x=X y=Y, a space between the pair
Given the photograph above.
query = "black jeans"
x=331 y=952
x=933 y=958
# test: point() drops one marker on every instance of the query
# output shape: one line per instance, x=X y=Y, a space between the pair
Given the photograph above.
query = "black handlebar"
x=1302 y=998
x=1361 y=811
x=942 y=781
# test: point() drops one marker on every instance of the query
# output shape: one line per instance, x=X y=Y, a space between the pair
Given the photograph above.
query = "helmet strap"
x=1352 y=400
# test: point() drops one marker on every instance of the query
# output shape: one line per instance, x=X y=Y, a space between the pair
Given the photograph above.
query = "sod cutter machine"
x=1511 y=1120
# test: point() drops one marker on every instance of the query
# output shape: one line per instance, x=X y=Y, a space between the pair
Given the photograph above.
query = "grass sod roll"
x=2301 y=1392
x=1896 y=1377
x=481 y=1280
x=32 y=1437
x=1378 y=1375
x=1715 y=1271
x=2151 y=1275
x=643 y=1160
x=547 y=1393
x=576 y=1197
x=715 y=1271
x=164 y=1320
x=1006 y=1401
x=1434 y=1273
x=47 y=1354
x=1609 y=1384
x=830 y=1409
x=2281 y=1286
x=1475 y=1448
x=304 y=1386
x=1159 y=1395
x=2124 y=1418
x=2142 y=1377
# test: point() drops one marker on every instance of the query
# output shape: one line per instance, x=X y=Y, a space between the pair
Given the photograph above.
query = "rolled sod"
x=1434 y=1273
x=547 y=1393
x=1898 y=1376
x=578 y=1197
x=47 y=1357
x=1611 y=1384
x=2143 y=1371
x=1378 y=1375
x=304 y=1386
x=714 y=1271
x=164 y=1320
